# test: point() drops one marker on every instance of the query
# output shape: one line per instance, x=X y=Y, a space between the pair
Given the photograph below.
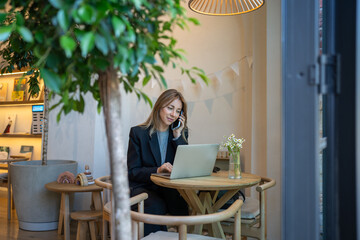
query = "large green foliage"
x=69 y=41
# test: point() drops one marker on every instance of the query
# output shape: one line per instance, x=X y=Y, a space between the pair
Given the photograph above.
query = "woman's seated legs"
x=175 y=204
x=154 y=204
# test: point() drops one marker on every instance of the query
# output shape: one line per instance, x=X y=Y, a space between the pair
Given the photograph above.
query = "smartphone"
x=175 y=125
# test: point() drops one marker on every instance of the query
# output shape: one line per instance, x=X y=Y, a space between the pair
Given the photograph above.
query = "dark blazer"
x=143 y=157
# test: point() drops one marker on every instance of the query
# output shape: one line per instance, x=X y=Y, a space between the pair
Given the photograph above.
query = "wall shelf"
x=21 y=135
x=17 y=103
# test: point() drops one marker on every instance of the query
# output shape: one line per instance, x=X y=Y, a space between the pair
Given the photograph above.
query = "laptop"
x=194 y=160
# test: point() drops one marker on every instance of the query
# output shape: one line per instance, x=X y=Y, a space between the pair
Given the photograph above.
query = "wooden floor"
x=9 y=229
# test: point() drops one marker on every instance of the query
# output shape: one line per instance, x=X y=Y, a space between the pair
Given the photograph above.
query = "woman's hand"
x=166 y=167
x=177 y=132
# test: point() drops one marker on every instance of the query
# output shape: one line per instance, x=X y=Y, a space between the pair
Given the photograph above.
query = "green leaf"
x=68 y=44
x=163 y=81
x=146 y=80
x=58 y=116
x=87 y=13
x=80 y=104
x=39 y=36
x=87 y=43
x=56 y=3
x=63 y=20
x=52 y=80
x=25 y=33
x=118 y=25
x=158 y=68
x=5 y=32
x=19 y=19
x=2 y=17
x=147 y=99
x=101 y=44
x=194 y=21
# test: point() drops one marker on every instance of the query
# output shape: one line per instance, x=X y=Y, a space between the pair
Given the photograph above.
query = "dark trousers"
x=161 y=201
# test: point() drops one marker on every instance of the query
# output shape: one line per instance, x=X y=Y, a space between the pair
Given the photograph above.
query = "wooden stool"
x=83 y=217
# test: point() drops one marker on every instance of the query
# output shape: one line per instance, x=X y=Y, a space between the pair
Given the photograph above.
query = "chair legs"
x=83 y=228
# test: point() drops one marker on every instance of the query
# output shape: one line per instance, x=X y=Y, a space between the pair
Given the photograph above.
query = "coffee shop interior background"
x=243 y=98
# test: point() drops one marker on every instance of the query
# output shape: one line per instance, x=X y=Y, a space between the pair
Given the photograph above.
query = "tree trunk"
x=45 y=129
x=110 y=97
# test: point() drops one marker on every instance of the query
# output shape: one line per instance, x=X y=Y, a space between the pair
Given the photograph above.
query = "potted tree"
x=96 y=46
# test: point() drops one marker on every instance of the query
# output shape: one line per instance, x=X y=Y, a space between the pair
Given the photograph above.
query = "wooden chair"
x=138 y=218
x=253 y=223
x=105 y=183
x=84 y=219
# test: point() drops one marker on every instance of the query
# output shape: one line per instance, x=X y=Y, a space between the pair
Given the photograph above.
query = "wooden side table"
x=65 y=190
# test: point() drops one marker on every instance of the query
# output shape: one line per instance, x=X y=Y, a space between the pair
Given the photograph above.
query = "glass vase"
x=234 y=166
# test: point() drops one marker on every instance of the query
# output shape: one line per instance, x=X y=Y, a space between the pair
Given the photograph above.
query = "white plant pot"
x=36 y=207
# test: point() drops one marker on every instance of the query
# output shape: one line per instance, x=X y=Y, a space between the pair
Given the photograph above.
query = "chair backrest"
x=265 y=183
x=183 y=221
x=105 y=183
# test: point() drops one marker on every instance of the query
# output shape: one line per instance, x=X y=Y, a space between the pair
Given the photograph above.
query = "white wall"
x=80 y=137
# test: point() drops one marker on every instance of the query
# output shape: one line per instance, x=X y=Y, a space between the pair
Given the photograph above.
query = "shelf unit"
x=20 y=135
x=19 y=103
x=22 y=109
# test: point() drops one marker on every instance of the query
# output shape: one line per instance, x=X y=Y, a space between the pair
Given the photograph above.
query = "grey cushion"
x=160 y=235
x=250 y=209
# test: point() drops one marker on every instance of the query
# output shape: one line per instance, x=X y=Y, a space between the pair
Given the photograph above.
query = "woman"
x=152 y=147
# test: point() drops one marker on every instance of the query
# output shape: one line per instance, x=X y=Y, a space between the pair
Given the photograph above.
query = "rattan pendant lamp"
x=224 y=7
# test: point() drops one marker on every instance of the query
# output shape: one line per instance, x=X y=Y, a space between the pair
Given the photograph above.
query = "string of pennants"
x=218 y=76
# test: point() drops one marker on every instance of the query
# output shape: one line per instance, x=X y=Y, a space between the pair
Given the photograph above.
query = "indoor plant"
x=95 y=46
x=233 y=145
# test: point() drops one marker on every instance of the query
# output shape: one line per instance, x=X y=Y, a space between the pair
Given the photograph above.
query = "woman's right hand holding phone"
x=177 y=132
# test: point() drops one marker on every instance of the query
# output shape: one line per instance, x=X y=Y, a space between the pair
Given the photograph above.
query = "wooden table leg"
x=192 y=199
x=96 y=199
x=61 y=215
x=206 y=203
x=9 y=193
x=216 y=229
x=97 y=203
x=66 y=212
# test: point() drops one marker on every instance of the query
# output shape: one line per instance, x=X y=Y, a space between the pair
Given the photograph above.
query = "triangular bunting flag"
x=229 y=99
x=235 y=67
x=209 y=104
x=218 y=76
x=190 y=108
x=250 y=61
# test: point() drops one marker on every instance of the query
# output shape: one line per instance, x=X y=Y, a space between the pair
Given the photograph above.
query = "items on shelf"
x=27 y=151
x=19 y=91
x=223 y=154
x=37 y=119
x=3 y=91
x=4 y=152
x=66 y=177
x=10 y=120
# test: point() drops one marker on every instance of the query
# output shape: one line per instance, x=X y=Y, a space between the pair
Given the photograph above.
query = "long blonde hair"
x=153 y=121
